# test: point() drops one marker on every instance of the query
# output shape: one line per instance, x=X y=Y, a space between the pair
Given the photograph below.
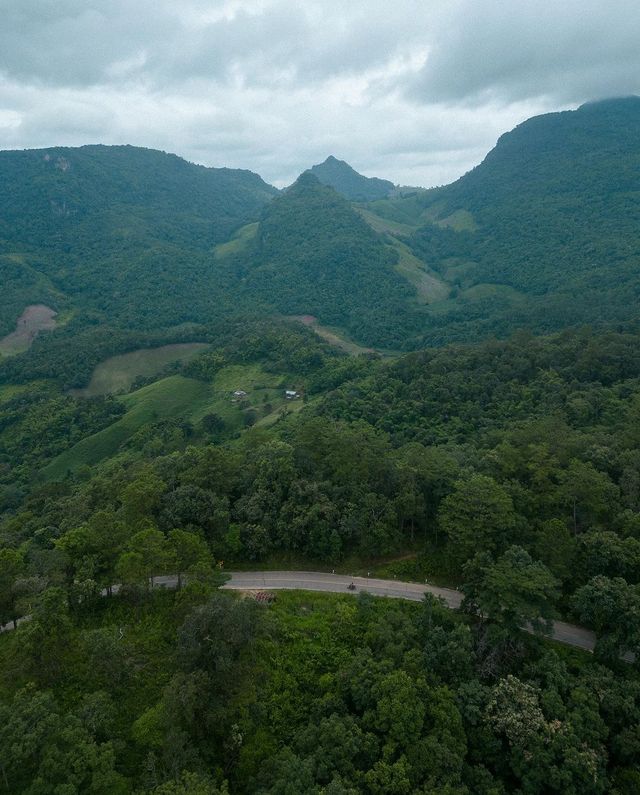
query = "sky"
x=415 y=91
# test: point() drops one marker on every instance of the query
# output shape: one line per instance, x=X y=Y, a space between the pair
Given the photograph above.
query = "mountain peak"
x=346 y=180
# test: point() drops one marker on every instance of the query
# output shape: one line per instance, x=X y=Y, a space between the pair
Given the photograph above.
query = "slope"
x=314 y=255
x=118 y=229
x=349 y=183
x=552 y=214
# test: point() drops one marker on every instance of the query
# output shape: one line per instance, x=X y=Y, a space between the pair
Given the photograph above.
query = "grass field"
x=429 y=287
x=34 y=319
x=238 y=242
x=380 y=224
x=478 y=293
x=177 y=397
x=459 y=221
x=118 y=373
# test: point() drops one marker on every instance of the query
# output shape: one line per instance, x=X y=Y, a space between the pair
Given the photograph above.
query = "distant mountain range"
x=543 y=234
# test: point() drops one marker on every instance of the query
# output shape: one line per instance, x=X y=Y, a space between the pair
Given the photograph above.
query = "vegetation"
x=314 y=255
x=508 y=467
x=119 y=373
x=347 y=182
x=552 y=213
x=122 y=231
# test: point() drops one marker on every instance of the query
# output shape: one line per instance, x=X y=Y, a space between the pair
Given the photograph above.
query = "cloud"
x=567 y=52
x=413 y=91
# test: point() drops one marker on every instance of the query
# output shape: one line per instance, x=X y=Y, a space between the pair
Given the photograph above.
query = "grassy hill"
x=118 y=373
x=188 y=400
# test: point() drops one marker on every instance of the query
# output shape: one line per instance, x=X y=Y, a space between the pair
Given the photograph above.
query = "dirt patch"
x=331 y=336
x=306 y=320
x=32 y=321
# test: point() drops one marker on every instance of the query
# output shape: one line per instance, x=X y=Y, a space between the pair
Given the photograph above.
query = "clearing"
x=118 y=373
x=34 y=319
x=429 y=287
x=385 y=225
x=177 y=397
x=239 y=242
x=335 y=337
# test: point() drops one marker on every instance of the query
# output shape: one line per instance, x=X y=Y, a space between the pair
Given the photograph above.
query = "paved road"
x=337 y=583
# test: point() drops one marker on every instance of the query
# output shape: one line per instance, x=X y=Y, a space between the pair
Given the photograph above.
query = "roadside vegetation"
x=507 y=469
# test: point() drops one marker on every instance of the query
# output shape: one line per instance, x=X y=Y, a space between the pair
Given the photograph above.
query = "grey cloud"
x=569 y=51
x=79 y=42
x=276 y=85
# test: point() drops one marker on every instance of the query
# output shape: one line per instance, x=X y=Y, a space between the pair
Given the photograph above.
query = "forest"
x=509 y=469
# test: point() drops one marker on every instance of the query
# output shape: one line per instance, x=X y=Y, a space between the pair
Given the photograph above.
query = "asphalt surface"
x=338 y=583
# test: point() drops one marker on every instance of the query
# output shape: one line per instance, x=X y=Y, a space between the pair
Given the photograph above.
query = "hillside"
x=314 y=255
x=120 y=230
x=544 y=233
x=346 y=180
x=510 y=469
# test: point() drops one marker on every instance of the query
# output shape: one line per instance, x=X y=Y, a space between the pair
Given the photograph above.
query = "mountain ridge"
x=339 y=175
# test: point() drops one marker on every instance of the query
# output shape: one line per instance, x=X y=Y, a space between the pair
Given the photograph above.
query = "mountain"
x=315 y=255
x=346 y=180
x=121 y=230
x=544 y=233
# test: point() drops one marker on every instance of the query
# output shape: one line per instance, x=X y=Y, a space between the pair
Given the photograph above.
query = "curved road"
x=337 y=583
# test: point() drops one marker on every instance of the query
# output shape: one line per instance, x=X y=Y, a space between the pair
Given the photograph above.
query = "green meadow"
x=118 y=373
x=187 y=399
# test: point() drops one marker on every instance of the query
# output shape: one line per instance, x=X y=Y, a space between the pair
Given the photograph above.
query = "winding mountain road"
x=338 y=583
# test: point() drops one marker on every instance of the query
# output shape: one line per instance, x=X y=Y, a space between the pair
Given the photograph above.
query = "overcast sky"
x=416 y=91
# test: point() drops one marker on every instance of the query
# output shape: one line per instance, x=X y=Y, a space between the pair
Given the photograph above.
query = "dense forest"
x=508 y=468
x=541 y=235
x=119 y=230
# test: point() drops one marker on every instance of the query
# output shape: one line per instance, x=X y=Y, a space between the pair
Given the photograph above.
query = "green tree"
x=148 y=555
x=478 y=516
x=11 y=567
x=556 y=548
x=141 y=498
x=190 y=783
x=190 y=554
x=587 y=494
x=612 y=608
x=514 y=591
